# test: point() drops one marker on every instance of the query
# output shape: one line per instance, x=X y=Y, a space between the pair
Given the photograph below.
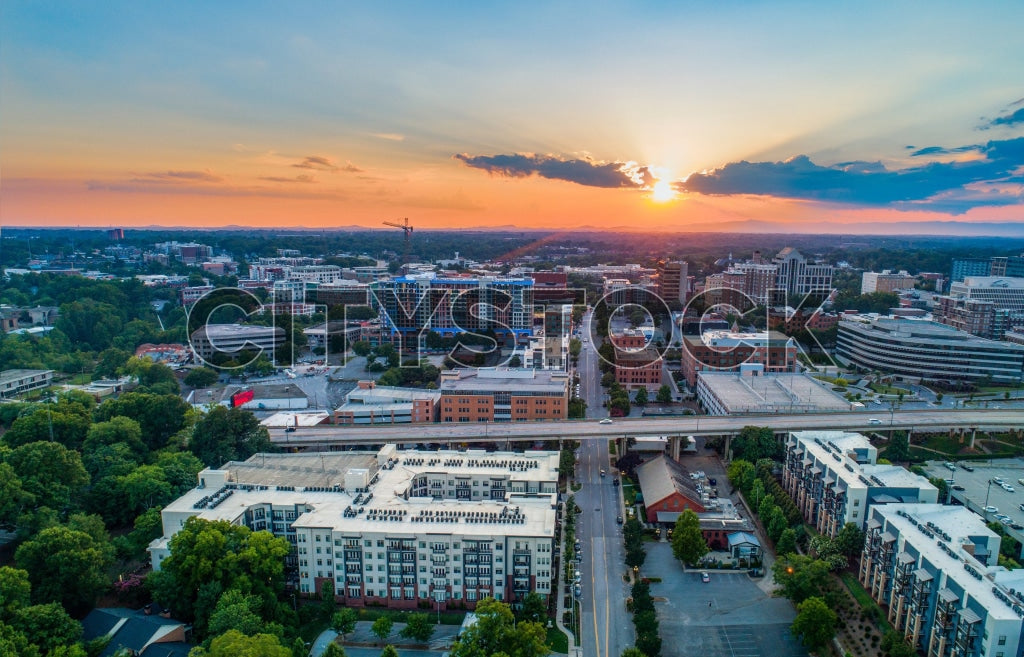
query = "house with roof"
x=145 y=632
x=744 y=545
x=668 y=490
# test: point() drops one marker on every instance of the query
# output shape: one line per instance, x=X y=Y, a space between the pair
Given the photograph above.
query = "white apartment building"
x=935 y=568
x=392 y=528
x=834 y=479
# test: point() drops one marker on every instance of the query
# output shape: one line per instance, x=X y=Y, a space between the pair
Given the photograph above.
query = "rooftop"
x=771 y=392
x=504 y=379
x=13 y=375
x=661 y=477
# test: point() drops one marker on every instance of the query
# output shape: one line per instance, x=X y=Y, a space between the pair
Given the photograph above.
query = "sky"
x=644 y=116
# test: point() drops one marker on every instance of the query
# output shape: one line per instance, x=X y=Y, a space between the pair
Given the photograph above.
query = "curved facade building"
x=926 y=350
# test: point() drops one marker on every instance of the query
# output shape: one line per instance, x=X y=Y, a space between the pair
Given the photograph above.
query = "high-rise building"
x=716 y=350
x=1012 y=266
x=672 y=282
x=964 y=267
x=986 y=306
x=799 y=276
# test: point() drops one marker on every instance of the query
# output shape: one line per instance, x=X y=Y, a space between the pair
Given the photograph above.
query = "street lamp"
x=986 y=497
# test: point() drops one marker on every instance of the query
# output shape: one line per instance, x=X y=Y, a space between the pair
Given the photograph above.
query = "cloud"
x=1009 y=119
x=179 y=177
x=319 y=163
x=390 y=136
x=283 y=179
x=582 y=172
x=939 y=150
x=855 y=183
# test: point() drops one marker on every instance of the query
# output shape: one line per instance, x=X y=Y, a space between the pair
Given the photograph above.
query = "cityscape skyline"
x=662 y=117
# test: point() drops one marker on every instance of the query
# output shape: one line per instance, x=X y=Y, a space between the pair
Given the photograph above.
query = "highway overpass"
x=915 y=420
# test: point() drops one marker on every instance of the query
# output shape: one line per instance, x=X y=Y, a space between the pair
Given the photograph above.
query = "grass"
x=888 y=390
x=80 y=379
x=557 y=640
x=628 y=490
x=611 y=447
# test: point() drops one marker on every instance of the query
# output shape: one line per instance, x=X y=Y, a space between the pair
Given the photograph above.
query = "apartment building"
x=834 y=478
x=886 y=281
x=673 y=281
x=392 y=528
x=504 y=394
x=934 y=570
x=965 y=306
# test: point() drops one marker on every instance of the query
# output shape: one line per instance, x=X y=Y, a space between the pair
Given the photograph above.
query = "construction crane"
x=407 y=227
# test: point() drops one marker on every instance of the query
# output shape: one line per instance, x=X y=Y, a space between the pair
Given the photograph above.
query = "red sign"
x=241 y=397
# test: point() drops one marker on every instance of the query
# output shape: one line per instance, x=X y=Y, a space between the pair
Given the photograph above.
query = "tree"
x=15 y=591
x=633 y=537
x=236 y=611
x=786 y=543
x=894 y=645
x=14 y=499
x=225 y=434
x=815 y=624
x=47 y=626
x=50 y=472
x=899 y=448
x=332 y=650
x=361 y=348
x=534 y=607
x=327 y=603
x=688 y=544
x=110 y=361
x=46 y=424
x=235 y=644
x=850 y=540
x=418 y=628
x=66 y=566
x=116 y=430
x=389 y=651
x=776 y=524
x=741 y=474
x=201 y=377
x=181 y=470
x=800 y=577
x=664 y=394
x=344 y=621
x=90 y=323
x=495 y=632
x=153 y=377
x=753 y=443
x=641 y=397
x=205 y=553
x=381 y=627
x=159 y=416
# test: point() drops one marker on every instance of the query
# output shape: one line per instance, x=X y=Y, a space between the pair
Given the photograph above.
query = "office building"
x=492 y=394
x=726 y=350
x=797 y=276
x=923 y=350
x=413 y=305
x=396 y=529
x=673 y=282
x=964 y=267
x=834 y=479
x=230 y=340
x=16 y=382
x=963 y=310
x=1012 y=266
x=933 y=568
x=886 y=281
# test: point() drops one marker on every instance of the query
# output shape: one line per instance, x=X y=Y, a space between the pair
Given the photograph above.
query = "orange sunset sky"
x=660 y=116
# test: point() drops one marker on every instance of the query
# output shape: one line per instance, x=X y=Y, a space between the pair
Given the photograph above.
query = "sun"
x=662 y=192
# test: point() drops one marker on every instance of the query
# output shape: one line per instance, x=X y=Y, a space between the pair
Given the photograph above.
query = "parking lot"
x=727 y=617
x=978 y=492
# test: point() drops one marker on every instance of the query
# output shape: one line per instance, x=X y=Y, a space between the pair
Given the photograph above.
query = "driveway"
x=728 y=617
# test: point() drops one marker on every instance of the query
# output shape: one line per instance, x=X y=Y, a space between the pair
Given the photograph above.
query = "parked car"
x=957 y=487
x=618 y=519
x=991 y=509
x=969 y=468
x=704 y=577
x=949 y=466
x=713 y=481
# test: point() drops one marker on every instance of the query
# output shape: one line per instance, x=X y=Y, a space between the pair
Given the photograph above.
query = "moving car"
x=607 y=420
x=713 y=481
x=603 y=473
x=615 y=481
x=958 y=487
x=618 y=519
x=969 y=468
x=704 y=577
x=874 y=420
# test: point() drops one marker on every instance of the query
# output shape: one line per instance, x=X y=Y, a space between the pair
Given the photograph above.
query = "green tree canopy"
x=235 y=644
x=753 y=443
x=495 y=632
x=117 y=429
x=47 y=626
x=201 y=377
x=15 y=591
x=225 y=434
x=815 y=623
x=800 y=576
x=382 y=627
x=66 y=566
x=159 y=416
x=50 y=472
x=344 y=621
x=787 y=542
x=67 y=428
x=664 y=394
x=418 y=628
x=688 y=544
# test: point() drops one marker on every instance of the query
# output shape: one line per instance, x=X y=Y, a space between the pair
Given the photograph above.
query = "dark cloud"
x=855 y=183
x=283 y=179
x=1009 y=119
x=939 y=150
x=581 y=172
x=320 y=163
x=179 y=177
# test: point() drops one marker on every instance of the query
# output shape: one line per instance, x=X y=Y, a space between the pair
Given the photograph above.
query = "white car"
x=607 y=420
x=991 y=509
x=1009 y=489
x=874 y=420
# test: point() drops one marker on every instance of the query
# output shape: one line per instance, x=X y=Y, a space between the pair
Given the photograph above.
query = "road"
x=590 y=373
x=690 y=425
x=606 y=629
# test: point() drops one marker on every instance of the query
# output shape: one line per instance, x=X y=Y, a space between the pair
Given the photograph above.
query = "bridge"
x=966 y=420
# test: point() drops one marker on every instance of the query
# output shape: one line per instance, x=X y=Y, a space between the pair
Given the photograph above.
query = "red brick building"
x=667 y=488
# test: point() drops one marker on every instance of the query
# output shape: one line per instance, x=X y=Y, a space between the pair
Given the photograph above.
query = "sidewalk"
x=443 y=637
x=561 y=592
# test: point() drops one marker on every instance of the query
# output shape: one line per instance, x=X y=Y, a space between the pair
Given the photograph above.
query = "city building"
x=668 y=490
x=1012 y=266
x=969 y=315
x=544 y=353
x=965 y=306
x=192 y=294
x=396 y=529
x=673 y=281
x=886 y=281
x=190 y=253
x=751 y=390
x=490 y=394
x=343 y=292
x=923 y=350
x=16 y=382
x=369 y=403
x=964 y=267
x=413 y=305
x=720 y=349
x=933 y=568
x=231 y=339
x=268 y=397
x=791 y=320
x=641 y=368
x=834 y=479
x=321 y=274
x=798 y=276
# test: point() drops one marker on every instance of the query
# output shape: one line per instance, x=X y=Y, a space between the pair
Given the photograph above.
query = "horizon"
x=875 y=119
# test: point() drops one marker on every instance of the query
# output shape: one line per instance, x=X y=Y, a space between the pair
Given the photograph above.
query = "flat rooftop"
x=772 y=392
x=504 y=380
x=13 y=375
